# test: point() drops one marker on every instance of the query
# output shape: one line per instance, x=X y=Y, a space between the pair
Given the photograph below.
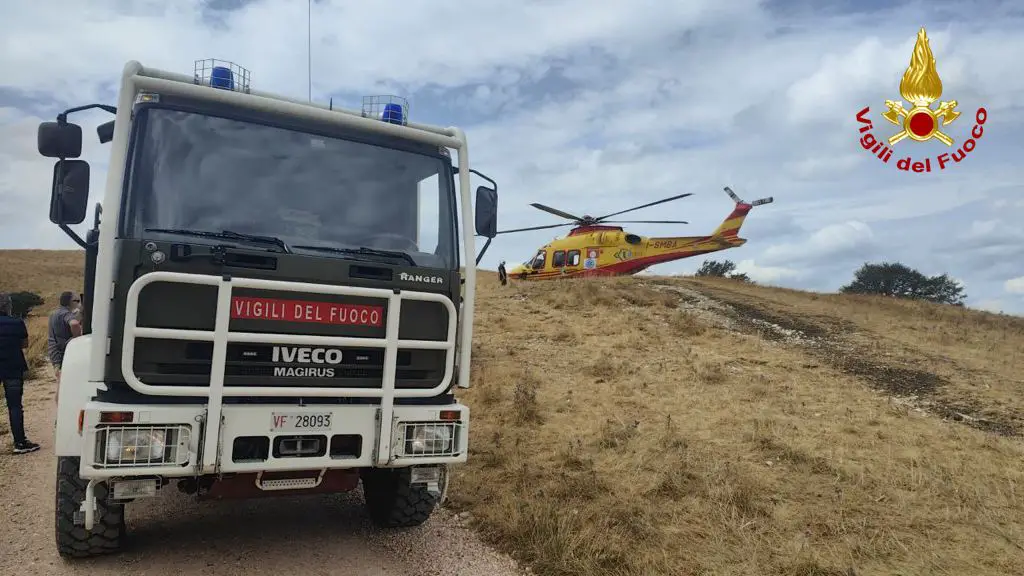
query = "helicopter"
x=592 y=248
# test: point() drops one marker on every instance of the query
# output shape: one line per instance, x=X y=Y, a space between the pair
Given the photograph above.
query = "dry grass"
x=47 y=273
x=674 y=438
x=633 y=426
x=975 y=357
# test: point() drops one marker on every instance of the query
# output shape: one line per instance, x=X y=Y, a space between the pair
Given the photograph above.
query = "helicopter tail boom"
x=730 y=227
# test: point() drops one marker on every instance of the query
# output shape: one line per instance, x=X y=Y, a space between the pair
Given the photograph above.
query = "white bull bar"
x=221 y=336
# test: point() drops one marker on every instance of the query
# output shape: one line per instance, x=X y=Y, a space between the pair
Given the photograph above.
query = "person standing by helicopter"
x=501 y=273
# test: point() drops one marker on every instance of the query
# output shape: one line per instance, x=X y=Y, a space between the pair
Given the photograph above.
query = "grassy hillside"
x=46 y=273
x=677 y=426
x=681 y=426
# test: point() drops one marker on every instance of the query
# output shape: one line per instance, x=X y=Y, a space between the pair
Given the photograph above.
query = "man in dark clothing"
x=63 y=326
x=501 y=273
x=13 y=339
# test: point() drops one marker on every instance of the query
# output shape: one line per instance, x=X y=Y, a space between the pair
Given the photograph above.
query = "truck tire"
x=74 y=541
x=392 y=501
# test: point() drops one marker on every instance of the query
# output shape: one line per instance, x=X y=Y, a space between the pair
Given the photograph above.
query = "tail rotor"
x=757 y=202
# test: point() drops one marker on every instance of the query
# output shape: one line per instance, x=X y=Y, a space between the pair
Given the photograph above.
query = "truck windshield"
x=206 y=173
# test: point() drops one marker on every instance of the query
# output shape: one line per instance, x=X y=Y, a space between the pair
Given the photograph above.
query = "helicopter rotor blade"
x=535 y=228
x=556 y=212
x=757 y=202
x=646 y=221
x=599 y=219
x=733 y=195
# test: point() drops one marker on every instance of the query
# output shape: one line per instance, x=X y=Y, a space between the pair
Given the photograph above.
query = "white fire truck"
x=274 y=301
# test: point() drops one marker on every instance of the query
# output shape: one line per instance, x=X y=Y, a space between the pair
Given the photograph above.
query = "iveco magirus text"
x=274 y=301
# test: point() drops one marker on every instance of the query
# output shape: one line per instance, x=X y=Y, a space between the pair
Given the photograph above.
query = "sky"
x=594 y=107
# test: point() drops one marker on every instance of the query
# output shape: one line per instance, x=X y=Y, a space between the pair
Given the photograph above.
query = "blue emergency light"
x=390 y=109
x=221 y=74
x=221 y=77
x=392 y=113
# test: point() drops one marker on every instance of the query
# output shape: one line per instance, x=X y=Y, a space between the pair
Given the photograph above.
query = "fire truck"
x=274 y=304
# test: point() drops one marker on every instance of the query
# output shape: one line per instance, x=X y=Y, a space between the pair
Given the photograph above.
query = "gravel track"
x=172 y=534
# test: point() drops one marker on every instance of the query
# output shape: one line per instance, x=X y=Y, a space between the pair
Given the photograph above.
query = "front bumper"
x=167 y=440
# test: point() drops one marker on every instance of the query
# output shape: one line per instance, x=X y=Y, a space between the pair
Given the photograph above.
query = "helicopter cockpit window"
x=558 y=258
x=574 y=258
x=538 y=260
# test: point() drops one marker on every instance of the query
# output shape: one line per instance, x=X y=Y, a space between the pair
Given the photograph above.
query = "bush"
x=23 y=302
x=716 y=268
x=900 y=281
x=724 y=269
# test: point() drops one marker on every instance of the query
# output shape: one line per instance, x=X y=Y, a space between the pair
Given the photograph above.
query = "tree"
x=716 y=268
x=900 y=281
x=23 y=302
x=722 y=269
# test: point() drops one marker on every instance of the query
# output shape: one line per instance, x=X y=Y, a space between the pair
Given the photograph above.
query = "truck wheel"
x=74 y=541
x=392 y=501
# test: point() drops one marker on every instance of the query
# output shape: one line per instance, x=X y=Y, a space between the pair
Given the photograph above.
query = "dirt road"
x=173 y=534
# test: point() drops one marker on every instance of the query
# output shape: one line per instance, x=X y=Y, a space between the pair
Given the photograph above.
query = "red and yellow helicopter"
x=595 y=249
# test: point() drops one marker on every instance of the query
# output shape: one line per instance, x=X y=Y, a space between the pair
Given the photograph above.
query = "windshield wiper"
x=363 y=250
x=227 y=235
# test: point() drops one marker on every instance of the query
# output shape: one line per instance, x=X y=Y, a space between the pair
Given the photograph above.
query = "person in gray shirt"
x=63 y=326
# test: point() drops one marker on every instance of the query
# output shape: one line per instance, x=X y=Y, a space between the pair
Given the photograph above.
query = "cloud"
x=766 y=274
x=846 y=238
x=1014 y=285
x=593 y=108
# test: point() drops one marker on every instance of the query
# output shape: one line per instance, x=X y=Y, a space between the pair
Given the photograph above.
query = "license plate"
x=301 y=421
x=426 y=474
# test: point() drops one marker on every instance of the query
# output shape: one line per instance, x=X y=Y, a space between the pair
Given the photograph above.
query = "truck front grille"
x=204 y=369
x=170 y=362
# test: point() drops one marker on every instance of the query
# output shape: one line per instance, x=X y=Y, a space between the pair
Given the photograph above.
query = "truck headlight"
x=428 y=438
x=135 y=445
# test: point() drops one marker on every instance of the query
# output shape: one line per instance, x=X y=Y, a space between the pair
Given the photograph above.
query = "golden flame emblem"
x=921 y=86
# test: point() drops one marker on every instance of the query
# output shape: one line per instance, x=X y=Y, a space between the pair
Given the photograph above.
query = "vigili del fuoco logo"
x=920 y=87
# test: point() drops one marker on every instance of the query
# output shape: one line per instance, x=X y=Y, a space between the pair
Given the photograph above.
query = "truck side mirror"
x=59 y=140
x=486 y=212
x=69 y=197
x=105 y=131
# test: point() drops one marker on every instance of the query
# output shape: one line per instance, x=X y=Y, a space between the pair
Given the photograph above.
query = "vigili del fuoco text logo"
x=921 y=86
